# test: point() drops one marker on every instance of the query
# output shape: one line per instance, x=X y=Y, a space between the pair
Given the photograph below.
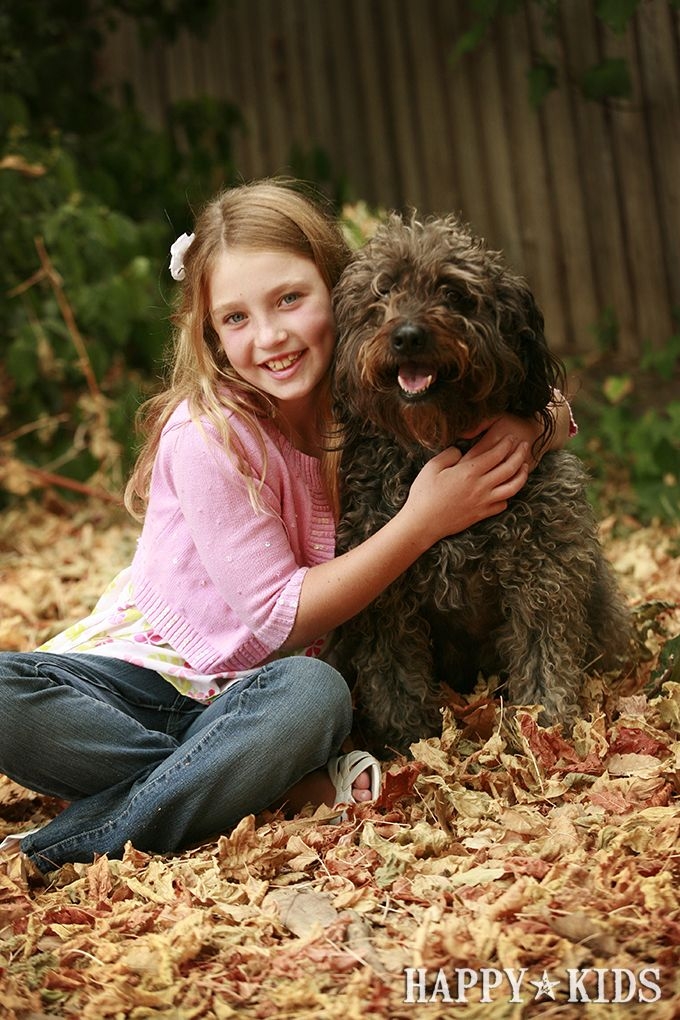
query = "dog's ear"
x=523 y=327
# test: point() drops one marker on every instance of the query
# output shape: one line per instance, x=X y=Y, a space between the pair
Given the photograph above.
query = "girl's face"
x=272 y=313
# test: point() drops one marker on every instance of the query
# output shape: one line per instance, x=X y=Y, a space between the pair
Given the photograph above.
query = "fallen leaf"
x=301 y=910
x=579 y=927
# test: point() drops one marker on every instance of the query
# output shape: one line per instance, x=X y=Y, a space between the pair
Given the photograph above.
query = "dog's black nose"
x=408 y=338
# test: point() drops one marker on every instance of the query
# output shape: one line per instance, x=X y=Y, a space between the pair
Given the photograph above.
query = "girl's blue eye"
x=289 y=299
x=234 y=319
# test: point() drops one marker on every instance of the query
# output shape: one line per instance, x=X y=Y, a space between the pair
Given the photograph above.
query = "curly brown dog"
x=436 y=336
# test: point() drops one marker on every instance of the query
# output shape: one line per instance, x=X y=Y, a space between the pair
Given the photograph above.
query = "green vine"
x=607 y=80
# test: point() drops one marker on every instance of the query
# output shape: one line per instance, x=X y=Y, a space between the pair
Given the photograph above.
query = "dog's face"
x=436 y=336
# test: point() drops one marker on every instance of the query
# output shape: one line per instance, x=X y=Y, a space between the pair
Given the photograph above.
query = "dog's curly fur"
x=527 y=594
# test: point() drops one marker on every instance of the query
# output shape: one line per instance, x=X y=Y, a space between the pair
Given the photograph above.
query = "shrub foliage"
x=90 y=199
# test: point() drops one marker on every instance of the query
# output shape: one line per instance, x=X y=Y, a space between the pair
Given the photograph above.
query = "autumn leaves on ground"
x=502 y=851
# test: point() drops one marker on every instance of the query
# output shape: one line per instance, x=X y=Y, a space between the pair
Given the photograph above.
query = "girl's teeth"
x=278 y=366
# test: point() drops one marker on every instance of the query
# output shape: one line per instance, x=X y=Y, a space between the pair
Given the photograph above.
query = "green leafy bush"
x=72 y=266
x=91 y=198
x=630 y=437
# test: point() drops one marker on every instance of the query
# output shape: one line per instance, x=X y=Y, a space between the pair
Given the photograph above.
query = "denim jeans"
x=138 y=761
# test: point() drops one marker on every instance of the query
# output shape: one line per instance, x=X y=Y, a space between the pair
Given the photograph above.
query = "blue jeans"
x=138 y=761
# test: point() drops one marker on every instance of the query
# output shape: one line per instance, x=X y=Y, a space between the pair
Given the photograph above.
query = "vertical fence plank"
x=270 y=85
x=348 y=130
x=426 y=103
x=380 y=155
x=570 y=252
x=642 y=237
x=659 y=50
x=238 y=49
x=454 y=176
x=473 y=184
x=490 y=112
x=598 y=172
x=532 y=246
x=403 y=111
x=294 y=74
x=324 y=90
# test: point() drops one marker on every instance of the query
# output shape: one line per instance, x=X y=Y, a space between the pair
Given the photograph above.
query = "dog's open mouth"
x=415 y=380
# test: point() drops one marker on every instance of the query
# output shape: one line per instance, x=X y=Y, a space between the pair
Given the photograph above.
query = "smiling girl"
x=194 y=695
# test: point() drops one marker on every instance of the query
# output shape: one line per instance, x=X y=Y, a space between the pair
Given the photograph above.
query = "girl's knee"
x=14 y=666
x=323 y=693
x=23 y=685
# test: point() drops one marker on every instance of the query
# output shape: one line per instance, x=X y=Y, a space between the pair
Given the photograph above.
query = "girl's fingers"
x=509 y=466
x=487 y=459
x=483 y=460
x=490 y=434
x=447 y=458
x=506 y=479
x=511 y=487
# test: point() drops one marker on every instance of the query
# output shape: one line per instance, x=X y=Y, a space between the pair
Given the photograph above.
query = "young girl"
x=194 y=694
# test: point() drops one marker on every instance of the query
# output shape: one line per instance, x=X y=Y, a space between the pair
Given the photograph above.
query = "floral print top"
x=116 y=628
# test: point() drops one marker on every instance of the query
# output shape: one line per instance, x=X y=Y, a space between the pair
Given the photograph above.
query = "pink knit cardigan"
x=218 y=580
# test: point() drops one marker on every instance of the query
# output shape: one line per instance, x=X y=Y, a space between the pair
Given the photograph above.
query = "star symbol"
x=544 y=987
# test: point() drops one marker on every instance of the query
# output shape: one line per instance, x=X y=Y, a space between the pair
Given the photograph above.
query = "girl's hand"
x=523 y=430
x=529 y=430
x=454 y=491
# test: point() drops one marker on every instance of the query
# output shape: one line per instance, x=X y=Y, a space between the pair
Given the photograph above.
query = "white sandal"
x=344 y=769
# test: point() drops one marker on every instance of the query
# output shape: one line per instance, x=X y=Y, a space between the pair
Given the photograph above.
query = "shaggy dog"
x=436 y=336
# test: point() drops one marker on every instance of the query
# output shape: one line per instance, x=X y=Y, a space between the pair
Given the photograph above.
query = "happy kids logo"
x=600 y=985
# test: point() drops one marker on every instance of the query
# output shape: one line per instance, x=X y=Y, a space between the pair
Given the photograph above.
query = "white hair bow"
x=177 y=252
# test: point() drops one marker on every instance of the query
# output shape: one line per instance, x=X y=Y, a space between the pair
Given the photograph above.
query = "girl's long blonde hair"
x=267 y=215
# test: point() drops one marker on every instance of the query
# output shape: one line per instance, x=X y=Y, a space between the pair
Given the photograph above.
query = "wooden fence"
x=583 y=196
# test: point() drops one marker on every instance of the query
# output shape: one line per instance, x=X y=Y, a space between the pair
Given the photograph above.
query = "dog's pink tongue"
x=413 y=378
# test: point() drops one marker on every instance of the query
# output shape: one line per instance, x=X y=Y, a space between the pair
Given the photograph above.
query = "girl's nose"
x=270 y=334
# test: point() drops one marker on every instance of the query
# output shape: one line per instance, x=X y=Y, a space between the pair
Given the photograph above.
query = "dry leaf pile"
x=501 y=849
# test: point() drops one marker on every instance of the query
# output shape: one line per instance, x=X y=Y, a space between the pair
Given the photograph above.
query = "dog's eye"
x=460 y=301
x=382 y=285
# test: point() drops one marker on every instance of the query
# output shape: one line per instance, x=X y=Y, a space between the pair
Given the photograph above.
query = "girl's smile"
x=281 y=364
x=272 y=313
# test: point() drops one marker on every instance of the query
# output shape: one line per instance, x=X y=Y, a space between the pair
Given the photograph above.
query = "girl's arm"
x=451 y=493
x=565 y=426
x=531 y=429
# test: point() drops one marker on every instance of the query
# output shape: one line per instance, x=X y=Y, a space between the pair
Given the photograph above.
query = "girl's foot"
x=361 y=788
x=353 y=777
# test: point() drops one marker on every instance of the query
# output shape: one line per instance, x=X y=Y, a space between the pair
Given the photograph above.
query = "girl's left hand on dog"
x=453 y=492
x=527 y=430
x=522 y=430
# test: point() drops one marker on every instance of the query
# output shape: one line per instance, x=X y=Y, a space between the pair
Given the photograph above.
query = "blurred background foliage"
x=102 y=195
x=91 y=197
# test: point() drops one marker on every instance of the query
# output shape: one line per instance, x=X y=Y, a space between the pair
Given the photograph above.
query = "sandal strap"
x=344 y=769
